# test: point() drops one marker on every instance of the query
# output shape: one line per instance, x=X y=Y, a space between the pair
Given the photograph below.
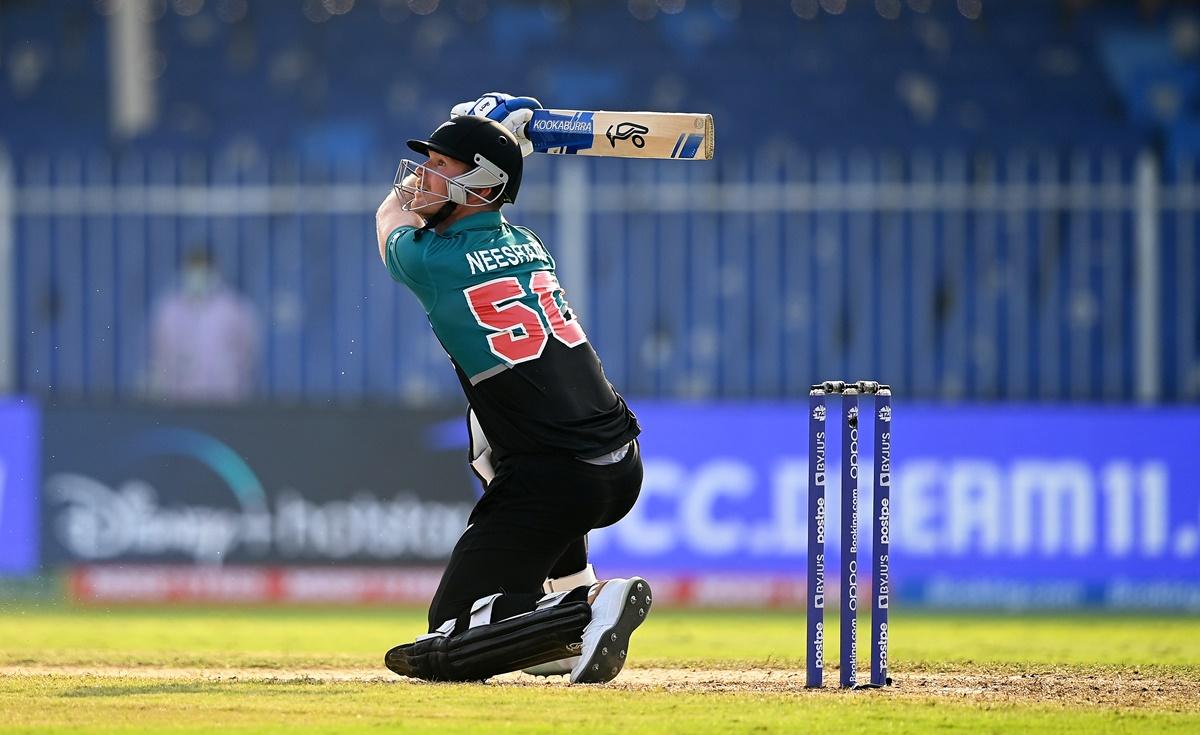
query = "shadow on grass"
x=283 y=687
x=132 y=691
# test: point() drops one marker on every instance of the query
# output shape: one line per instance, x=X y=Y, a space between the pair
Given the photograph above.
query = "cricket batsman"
x=553 y=443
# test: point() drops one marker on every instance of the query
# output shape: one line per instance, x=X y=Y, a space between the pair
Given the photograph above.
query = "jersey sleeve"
x=404 y=257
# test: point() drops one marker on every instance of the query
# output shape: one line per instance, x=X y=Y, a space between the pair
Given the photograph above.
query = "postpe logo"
x=819 y=647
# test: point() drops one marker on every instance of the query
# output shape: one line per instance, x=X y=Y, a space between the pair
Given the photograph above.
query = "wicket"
x=881 y=530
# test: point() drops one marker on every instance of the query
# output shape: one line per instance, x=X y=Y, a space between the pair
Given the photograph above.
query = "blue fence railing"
x=1028 y=275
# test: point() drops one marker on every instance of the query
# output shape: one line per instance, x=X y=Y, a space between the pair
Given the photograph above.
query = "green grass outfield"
x=256 y=670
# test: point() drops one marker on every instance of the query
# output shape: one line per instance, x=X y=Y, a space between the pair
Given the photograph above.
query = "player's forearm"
x=388 y=217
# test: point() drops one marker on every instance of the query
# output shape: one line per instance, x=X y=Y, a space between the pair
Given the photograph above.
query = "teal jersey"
x=491 y=294
x=488 y=288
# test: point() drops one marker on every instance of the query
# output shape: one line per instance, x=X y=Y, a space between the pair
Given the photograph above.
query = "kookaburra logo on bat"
x=627 y=131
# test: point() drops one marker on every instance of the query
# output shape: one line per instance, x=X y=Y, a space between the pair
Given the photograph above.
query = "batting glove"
x=511 y=112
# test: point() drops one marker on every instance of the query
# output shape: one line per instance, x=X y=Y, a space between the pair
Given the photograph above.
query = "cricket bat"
x=623 y=134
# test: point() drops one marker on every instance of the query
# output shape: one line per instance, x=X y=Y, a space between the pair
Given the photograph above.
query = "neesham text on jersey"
x=486 y=261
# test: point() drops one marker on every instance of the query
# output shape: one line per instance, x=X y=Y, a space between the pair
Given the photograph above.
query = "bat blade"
x=622 y=134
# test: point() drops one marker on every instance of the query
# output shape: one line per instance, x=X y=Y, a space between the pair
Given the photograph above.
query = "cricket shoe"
x=620 y=607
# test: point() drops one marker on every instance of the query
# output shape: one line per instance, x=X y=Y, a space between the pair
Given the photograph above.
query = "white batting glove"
x=511 y=112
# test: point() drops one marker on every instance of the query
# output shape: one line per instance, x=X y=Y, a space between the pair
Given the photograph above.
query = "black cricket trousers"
x=532 y=523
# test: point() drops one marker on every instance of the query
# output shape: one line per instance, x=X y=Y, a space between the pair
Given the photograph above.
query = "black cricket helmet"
x=481 y=142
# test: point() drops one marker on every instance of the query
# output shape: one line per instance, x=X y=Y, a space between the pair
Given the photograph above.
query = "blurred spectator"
x=204 y=338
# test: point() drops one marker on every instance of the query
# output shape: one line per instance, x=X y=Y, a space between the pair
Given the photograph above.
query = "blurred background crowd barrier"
x=1025 y=276
x=991 y=205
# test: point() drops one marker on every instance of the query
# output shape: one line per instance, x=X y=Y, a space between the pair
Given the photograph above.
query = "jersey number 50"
x=518 y=333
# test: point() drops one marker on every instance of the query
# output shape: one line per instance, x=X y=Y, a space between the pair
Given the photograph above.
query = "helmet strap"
x=436 y=219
